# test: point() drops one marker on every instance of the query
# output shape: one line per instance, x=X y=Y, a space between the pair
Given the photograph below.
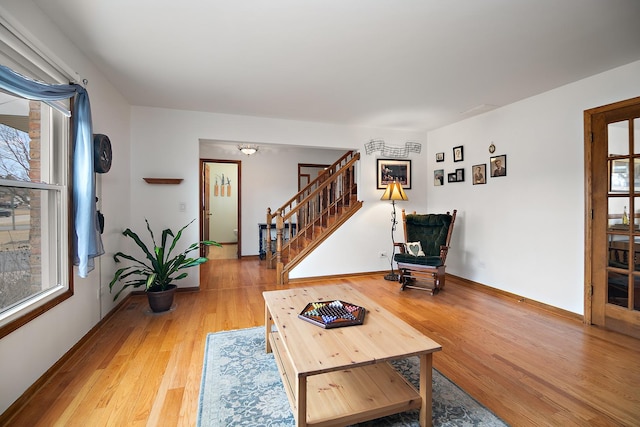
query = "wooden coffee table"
x=337 y=377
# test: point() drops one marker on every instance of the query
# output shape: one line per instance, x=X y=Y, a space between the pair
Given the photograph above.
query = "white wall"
x=524 y=233
x=538 y=205
x=356 y=246
x=36 y=346
x=269 y=179
x=178 y=134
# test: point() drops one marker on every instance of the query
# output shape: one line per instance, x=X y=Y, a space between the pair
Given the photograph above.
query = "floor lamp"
x=393 y=192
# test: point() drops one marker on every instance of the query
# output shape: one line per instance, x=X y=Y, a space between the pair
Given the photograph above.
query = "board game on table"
x=333 y=314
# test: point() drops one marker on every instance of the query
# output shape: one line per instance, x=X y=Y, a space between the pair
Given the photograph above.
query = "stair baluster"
x=317 y=211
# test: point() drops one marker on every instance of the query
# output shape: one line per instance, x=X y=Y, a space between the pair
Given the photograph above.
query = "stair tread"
x=338 y=201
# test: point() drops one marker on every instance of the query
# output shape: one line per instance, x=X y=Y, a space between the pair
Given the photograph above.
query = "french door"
x=612 y=159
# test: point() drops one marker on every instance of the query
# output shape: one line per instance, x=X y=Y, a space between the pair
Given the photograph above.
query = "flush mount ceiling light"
x=248 y=149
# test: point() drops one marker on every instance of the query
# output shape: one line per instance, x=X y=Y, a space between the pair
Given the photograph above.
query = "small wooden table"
x=337 y=377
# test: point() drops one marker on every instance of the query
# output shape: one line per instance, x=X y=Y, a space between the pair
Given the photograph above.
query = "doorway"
x=307 y=172
x=220 y=207
x=612 y=255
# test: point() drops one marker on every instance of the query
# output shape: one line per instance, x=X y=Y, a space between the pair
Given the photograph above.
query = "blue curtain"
x=87 y=242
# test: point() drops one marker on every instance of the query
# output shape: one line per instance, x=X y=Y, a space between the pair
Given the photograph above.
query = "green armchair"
x=422 y=257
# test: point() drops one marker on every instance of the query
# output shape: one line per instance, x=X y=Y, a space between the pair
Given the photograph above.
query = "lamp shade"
x=394 y=191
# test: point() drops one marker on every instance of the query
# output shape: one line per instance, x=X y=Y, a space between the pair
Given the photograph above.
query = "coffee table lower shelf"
x=348 y=396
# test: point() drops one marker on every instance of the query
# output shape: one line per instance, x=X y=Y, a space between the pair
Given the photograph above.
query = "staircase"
x=312 y=215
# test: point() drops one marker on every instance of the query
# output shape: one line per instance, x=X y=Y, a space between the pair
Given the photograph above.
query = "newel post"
x=279 y=230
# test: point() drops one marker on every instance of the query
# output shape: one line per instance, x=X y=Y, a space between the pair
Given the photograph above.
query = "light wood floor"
x=226 y=251
x=529 y=366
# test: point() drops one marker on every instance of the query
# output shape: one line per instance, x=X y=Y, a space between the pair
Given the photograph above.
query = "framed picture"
x=394 y=170
x=619 y=174
x=499 y=165
x=460 y=175
x=439 y=157
x=438 y=177
x=479 y=174
x=458 y=153
x=451 y=177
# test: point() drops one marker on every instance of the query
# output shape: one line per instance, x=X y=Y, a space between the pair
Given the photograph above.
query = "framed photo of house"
x=460 y=175
x=499 y=165
x=458 y=153
x=439 y=157
x=479 y=174
x=438 y=177
x=451 y=177
x=393 y=170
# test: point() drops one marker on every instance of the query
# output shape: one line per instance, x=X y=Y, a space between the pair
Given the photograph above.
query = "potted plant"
x=158 y=272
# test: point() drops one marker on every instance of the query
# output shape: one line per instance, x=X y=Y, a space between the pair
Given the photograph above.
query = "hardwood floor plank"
x=530 y=366
x=68 y=412
x=170 y=414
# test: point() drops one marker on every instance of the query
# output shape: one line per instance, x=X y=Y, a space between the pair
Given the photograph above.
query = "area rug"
x=241 y=386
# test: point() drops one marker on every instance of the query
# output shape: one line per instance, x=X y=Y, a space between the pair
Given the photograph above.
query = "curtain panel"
x=87 y=242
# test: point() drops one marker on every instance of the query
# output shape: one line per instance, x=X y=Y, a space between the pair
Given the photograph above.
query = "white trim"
x=24 y=44
x=30 y=184
x=53 y=218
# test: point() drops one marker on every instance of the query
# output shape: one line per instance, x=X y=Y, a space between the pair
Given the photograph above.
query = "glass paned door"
x=613 y=184
x=623 y=171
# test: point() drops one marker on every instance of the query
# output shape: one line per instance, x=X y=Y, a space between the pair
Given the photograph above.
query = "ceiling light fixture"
x=248 y=149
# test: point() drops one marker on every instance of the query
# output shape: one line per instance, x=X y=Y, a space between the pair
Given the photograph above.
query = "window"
x=34 y=210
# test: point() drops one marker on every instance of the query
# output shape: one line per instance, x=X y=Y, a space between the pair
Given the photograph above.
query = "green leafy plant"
x=159 y=269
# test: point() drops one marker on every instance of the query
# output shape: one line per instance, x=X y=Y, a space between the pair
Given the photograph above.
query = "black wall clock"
x=101 y=153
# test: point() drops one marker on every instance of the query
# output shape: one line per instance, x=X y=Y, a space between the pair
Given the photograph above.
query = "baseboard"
x=338 y=276
x=464 y=282
x=15 y=407
x=510 y=296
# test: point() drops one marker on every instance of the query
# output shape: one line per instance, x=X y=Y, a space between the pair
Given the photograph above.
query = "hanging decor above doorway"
x=223 y=188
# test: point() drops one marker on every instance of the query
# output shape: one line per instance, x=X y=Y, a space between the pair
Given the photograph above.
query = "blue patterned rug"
x=241 y=386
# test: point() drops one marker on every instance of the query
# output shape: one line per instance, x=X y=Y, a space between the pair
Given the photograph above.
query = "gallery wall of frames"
x=495 y=167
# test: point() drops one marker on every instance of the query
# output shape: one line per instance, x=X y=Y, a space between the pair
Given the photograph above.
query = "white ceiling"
x=404 y=64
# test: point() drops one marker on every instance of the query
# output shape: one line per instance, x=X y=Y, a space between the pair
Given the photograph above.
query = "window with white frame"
x=35 y=194
x=34 y=210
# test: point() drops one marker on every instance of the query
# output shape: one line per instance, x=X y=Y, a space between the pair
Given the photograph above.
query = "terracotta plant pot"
x=160 y=301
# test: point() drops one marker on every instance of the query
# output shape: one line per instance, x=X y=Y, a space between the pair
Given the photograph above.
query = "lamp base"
x=391 y=277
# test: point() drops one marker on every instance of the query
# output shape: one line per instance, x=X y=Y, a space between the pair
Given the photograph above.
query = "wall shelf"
x=163 y=180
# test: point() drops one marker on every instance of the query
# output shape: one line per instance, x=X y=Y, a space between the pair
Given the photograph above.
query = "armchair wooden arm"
x=400 y=246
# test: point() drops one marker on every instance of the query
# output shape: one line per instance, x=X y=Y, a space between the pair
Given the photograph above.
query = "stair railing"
x=308 y=212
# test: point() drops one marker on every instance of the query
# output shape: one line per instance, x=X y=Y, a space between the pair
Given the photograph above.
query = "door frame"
x=202 y=197
x=308 y=177
x=590 y=117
